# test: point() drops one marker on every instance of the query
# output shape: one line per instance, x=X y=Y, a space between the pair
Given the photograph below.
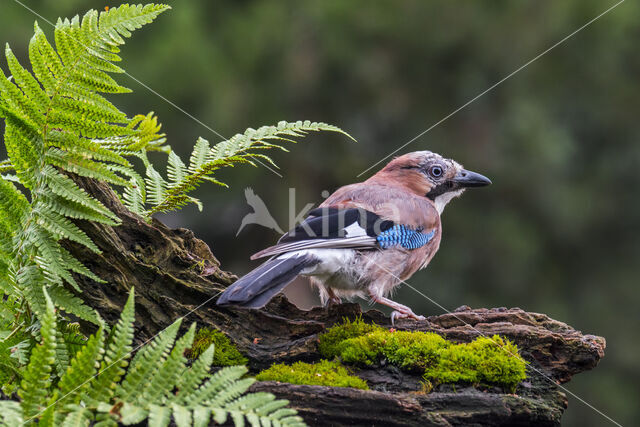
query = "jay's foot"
x=333 y=299
x=399 y=311
x=404 y=315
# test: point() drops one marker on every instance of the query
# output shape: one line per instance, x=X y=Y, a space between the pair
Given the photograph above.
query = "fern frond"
x=156 y=186
x=134 y=197
x=34 y=95
x=72 y=304
x=14 y=207
x=81 y=369
x=76 y=266
x=82 y=166
x=73 y=339
x=198 y=155
x=164 y=381
x=181 y=415
x=37 y=376
x=77 y=210
x=62 y=354
x=146 y=137
x=48 y=256
x=160 y=416
x=201 y=416
x=117 y=355
x=64 y=187
x=231 y=392
x=204 y=161
x=146 y=363
x=60 y=227
x=158 y=386
x=52 y=113
x=176 y=169
x=131 y=414
x=10 y=413
x=79 y=417
x=29 y=280
x=24 y=147
x=194 y=376
x=218 y=382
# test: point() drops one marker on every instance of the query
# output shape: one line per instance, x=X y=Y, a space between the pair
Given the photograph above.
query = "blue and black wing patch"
x=334 y=228
x=404 y=236
x=334 y=223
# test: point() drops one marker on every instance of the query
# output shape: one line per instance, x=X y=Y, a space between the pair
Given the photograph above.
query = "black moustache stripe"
x=440 y=189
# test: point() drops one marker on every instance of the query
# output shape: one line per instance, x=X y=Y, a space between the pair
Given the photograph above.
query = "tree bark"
x=176 y=275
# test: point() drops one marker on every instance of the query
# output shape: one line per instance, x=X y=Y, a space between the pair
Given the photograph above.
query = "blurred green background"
x=559 y=230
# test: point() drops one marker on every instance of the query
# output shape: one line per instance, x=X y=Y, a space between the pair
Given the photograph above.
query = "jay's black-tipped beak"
x=466 y=178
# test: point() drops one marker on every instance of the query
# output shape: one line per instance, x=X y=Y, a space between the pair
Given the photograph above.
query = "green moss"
x=330 y=340
x=226 y=354
x=492 y=360
x=322 y=373
x=485 y=360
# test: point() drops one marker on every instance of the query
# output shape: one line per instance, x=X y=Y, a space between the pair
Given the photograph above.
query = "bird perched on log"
x=365 y=238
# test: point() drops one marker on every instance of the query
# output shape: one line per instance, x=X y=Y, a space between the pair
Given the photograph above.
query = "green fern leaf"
x=29 y=280
x=72 y=304
x=117 y=355
x=181 y=415
x=72 y=264
x=156 y=186
x=164 y=381
x=60 y=227
x=220 y=382
x=14 y=206
x=146 y=363
x=82 y=166
x=198 y=155
x=83 y=367
x=176 y=169
x=204 y=161
x=46 y=64
x=201 y=416
x=25 y=149
x=131 y=414
x=62 y=354
x=79 y=417
x=10 y=413
x=36 y=380
x=66 y=188
x=134 y=198
x=25 y=81
x=231 y=392
x=159 y=416
x=194 y=376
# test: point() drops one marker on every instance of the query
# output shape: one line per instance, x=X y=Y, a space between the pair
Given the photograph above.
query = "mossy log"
x=175 y=274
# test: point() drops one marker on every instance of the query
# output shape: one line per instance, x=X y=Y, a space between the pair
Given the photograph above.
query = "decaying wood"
x=175 y=274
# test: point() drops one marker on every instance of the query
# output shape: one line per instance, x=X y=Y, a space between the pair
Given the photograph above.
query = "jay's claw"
x=399 y=311
x=403 y=315
x=333 y=301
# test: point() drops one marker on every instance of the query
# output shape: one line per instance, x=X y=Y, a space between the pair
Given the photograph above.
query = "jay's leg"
x=333 y=298
x=400 y=311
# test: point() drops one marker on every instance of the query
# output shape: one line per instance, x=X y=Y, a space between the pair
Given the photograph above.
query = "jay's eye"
x=435 y=171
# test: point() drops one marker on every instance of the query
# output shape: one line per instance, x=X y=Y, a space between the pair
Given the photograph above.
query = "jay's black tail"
x=257 y=288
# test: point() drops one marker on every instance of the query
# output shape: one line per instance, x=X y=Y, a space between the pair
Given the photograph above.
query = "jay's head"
x=432 y=176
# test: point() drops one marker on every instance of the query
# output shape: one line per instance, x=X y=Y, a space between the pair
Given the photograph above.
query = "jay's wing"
x=348 y=228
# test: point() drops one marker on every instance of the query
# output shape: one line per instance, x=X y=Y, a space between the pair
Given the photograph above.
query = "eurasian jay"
x=365 y=238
